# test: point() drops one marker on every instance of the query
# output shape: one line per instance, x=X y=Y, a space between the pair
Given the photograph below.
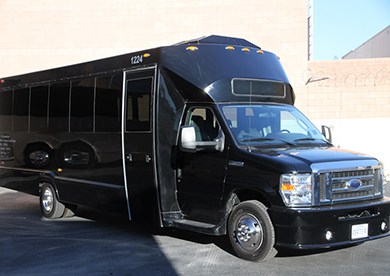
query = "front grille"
x=349 y=185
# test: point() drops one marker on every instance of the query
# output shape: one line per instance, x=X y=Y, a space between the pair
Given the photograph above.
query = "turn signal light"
x=287 y=187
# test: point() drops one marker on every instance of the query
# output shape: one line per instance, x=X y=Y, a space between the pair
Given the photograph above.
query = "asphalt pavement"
x=94 y=243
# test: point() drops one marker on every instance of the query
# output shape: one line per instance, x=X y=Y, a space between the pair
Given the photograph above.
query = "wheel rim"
x=249 y=233
x=47 y=200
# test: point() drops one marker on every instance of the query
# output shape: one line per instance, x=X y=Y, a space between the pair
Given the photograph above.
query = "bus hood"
x=301 y=159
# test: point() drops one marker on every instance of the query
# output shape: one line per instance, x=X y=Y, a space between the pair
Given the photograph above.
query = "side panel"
x=69 y=131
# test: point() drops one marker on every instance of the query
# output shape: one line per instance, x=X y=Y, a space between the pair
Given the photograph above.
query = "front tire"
x=50 y=206
x=251 y=232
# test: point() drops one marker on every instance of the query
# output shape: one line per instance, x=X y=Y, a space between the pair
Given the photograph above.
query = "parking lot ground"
x=94 y=243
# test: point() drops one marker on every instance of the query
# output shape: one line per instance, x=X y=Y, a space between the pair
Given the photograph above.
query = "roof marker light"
x=146 y=55
x=230 y=48
x=2 y=81
x=246 y=50
x=260 y=52
x=192 y=48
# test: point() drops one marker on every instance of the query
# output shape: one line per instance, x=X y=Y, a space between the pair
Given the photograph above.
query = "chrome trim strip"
x=26 y=170
x=123 y=143
x=89 y=182
x=236 y=163
x=345 y=166
x=154 y=98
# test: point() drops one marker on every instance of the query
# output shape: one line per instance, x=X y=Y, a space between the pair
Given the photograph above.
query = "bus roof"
x=206 y=63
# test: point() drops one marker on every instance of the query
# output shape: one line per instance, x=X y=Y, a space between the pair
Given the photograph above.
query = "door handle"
x=129 y=157
x=147 y=158
x=137 y=158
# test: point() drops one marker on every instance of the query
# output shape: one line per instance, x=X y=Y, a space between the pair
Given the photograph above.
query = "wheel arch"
x=42 y=179
x=251 y=194
x=236 y=197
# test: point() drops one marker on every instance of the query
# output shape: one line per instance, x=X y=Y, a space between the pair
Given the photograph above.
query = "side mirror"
x=327 y=133
x=188 y=141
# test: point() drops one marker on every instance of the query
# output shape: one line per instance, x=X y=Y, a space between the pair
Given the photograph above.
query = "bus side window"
x=38 y=108
x=205 y=123
x=6 y=110
x=81 y=113
x=20 y=112
x=138 y=104
x=59 y=107
x=108 y=103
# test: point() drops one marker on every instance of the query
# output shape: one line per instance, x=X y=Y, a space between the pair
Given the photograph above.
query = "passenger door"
x=201 y=174
x=138 y=148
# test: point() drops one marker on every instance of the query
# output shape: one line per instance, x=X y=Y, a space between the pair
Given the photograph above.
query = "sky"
x=340 y=26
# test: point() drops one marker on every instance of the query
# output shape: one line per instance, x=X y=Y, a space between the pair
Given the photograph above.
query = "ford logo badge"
x=354 y=183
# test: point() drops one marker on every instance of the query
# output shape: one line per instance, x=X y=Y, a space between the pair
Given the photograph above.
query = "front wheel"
x=50 y=206
x=251 y=232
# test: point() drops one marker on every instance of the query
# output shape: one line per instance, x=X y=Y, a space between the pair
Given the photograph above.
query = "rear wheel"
x=50 y=206
x=251 y=232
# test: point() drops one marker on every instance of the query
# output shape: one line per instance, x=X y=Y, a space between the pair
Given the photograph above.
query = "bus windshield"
x=271 y=125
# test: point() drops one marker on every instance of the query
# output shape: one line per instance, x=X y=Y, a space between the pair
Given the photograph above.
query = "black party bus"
x=202 y=135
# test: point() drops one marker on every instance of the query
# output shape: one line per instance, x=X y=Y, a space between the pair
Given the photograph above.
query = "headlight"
x=296 y=189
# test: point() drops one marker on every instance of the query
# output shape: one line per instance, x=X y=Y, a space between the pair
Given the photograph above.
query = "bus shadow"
x=91 y=244
x=92 y=241
x=221 y=242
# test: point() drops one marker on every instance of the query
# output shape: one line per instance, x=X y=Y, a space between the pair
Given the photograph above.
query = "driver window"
x=204 y=122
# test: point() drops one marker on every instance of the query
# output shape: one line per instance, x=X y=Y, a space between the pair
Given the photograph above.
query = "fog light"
x=329 y=235
x=384 y=226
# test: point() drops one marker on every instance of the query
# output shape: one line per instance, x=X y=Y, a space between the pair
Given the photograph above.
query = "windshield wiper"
x=312 y=139
x=266 y=139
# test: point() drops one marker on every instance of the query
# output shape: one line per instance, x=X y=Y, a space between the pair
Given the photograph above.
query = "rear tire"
x=50 y=206
x=251 y=232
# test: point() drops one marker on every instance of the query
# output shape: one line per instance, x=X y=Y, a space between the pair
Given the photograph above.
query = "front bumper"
x=306 y=228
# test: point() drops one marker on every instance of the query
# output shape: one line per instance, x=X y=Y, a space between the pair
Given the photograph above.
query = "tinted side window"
x=82 y=98
x=21 y=109
x=138 y=104
x=59 y=107
x=205 y=124
x=108 y=103
x=38 y=108
x=6 y=111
